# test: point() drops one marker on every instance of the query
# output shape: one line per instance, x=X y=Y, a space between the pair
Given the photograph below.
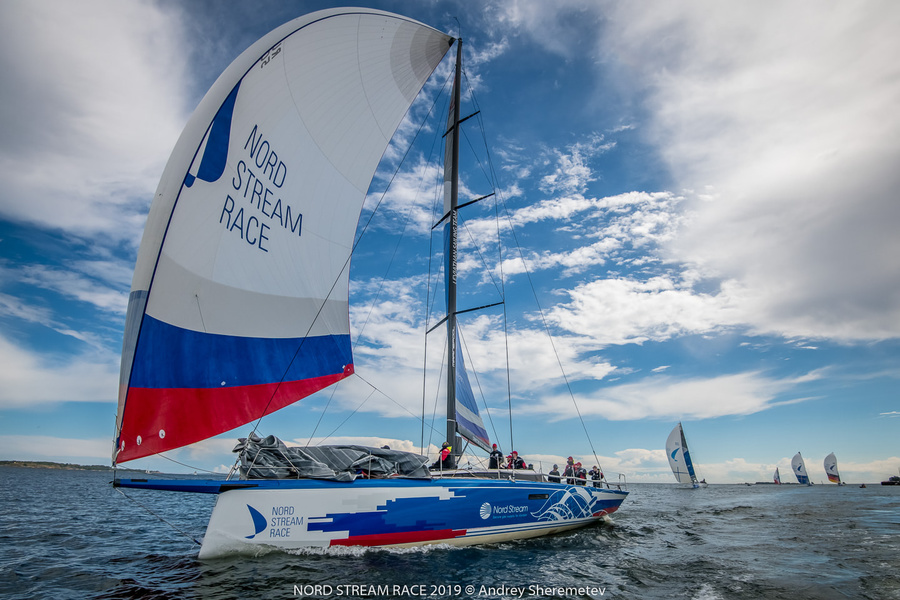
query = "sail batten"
x=239 y=302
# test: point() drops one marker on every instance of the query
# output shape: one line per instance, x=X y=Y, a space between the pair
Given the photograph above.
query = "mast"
x=451 y=259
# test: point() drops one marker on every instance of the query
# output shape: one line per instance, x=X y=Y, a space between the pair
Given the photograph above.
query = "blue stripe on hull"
x=172 y=357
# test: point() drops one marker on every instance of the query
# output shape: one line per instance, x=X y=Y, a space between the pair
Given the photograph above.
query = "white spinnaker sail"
x=831 y=468
x=679 y=457
x=238 y=304
x=799 y=467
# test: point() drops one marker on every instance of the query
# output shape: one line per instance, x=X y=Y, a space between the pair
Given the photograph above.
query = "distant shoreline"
x=41 y=464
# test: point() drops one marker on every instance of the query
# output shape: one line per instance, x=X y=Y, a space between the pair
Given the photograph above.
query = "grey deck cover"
x=270 y=458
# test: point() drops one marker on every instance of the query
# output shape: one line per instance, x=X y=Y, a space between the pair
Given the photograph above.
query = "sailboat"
x=777 y=476
x=239 y=302
x=800 y=469
x=680 y=458
x=831 y=469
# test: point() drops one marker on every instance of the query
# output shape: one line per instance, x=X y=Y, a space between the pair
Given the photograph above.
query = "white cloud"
x=43 y=447
x=90 y=112
x=789 y=117
x=666 y=397
x=572 y=173
x=782 y=122
x=75 y=285
x=28 y=379
x=623 y=311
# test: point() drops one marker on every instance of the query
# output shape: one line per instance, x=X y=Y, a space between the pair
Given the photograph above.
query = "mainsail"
x=831 y=469
x=777 y=477
x=239 y=302
x=680 y=457
x=800 y=469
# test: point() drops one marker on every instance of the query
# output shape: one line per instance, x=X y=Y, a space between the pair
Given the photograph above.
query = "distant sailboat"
x=831 y=469
x=680 y=458
x=777 y=477
x=800 y=469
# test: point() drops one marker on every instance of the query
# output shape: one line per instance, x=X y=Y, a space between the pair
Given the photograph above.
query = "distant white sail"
x=680 y=457
x=831 y=469
x=800 y=469
x=777 y=476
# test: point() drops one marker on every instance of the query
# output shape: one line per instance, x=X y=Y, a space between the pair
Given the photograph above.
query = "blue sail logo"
x=215 y=154
x=674 y=452
x=259 y=522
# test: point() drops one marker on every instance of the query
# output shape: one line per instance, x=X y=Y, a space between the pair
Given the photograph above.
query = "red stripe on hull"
x=607 y=511
x=408 y=537
x=188 y=415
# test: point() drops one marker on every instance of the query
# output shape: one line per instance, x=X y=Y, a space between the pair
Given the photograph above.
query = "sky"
x=705 y=194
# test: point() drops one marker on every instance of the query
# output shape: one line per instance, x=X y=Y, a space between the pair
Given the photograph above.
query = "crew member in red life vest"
x=445 y=460
x=516 y=461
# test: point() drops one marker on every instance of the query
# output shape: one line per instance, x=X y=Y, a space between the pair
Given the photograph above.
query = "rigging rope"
x=349 y=256
x=181 y=531
x=534 y=293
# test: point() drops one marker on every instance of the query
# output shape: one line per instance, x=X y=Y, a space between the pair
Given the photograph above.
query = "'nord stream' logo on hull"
x=507 y=511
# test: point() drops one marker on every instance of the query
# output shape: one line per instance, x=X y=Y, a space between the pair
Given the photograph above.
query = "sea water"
x=69 y=534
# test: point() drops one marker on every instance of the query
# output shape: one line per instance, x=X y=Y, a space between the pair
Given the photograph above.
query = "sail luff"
x=246 y=248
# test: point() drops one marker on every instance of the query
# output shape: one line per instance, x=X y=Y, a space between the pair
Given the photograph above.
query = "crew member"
x=570 y=471
x=496 y=458
x=553 y=476
x=580 y=474
x=445 y=460
x=516 y=461
x=596 y=475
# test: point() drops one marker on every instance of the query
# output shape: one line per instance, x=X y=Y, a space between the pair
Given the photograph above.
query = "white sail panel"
x=799 y=467
x=831 y=469
x=239 y=298
x=675 y=452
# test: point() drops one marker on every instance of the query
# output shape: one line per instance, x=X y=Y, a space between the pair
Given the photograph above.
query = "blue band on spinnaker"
x=172 y=357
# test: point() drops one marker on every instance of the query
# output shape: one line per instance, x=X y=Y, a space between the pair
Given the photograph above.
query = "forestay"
x=239 y=302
